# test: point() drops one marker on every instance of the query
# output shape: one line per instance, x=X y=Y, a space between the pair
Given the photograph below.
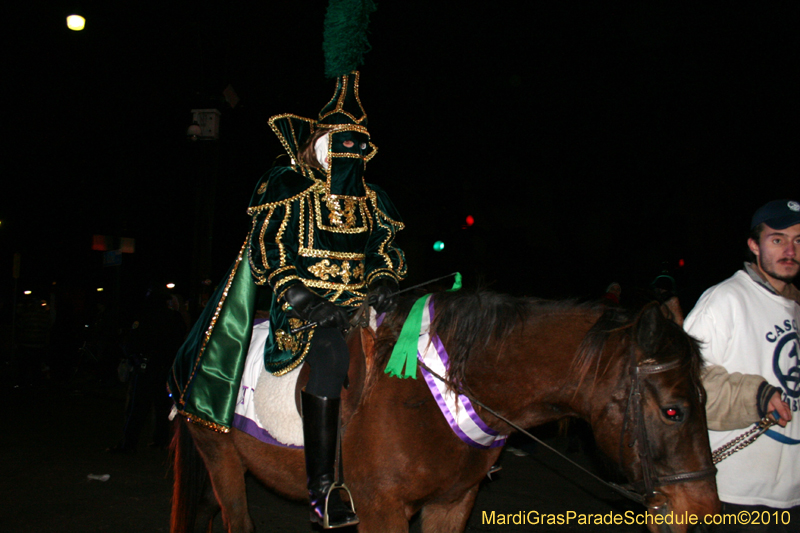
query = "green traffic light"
x=438 y=246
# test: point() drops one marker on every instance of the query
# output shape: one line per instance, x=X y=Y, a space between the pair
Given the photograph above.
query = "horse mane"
x=470 y=321
x=465 y=321
x=620 y=324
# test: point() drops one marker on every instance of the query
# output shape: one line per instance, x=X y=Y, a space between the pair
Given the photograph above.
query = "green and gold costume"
x=325 y=229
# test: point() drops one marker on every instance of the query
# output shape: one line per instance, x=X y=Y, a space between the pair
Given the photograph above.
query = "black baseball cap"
x=778 y=214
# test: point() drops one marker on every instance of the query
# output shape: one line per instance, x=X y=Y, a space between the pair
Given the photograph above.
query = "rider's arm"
x=383 y=258
x=275 y=229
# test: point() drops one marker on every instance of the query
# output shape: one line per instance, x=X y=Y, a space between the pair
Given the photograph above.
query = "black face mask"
x=348 y=151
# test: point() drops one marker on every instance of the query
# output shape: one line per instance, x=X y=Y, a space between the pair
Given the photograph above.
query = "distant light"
x=76 y=22
x=26 y=293
x=99 y=289
x=470 y=220
x=170 y=285
x=438 y=246
x=194 y=132
x=681 y=262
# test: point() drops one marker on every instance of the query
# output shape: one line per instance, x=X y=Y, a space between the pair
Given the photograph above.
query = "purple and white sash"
x=456 y=408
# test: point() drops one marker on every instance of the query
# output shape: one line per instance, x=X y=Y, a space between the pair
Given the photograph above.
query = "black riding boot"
x=320 y=433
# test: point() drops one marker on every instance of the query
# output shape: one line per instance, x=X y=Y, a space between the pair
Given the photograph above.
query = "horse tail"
x=191 y=480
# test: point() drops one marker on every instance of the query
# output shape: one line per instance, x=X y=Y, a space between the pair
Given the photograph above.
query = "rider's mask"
x=344 y=154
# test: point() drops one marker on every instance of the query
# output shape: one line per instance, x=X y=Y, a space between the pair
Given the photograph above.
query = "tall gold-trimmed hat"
x=345 y=44
x=345 y=106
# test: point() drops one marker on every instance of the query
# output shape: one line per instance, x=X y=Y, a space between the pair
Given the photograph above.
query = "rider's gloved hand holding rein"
x=382 y=294
x=313 y=308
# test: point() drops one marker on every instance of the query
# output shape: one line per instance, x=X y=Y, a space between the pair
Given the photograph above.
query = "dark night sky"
x=591 y=141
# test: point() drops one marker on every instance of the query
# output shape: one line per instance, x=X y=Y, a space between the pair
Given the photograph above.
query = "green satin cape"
x=205 y=378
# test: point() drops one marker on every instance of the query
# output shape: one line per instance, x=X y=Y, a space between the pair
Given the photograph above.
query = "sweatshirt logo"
x=786 y=364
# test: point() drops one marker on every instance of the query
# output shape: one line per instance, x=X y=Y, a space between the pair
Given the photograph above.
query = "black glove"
x=381 y=295
x=313 y=308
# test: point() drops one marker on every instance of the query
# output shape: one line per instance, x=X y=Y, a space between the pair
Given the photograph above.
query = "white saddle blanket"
x=266 y=408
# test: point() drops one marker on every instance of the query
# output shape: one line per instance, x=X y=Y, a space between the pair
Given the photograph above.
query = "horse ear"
x=673 y=311
x=648 y=325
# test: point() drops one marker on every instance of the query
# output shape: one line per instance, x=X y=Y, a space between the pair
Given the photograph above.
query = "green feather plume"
x=345 y=36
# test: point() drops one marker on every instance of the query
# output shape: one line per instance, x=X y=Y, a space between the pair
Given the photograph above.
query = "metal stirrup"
x=338 y=483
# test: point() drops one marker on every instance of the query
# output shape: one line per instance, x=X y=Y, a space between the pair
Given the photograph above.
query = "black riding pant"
x=329 y=360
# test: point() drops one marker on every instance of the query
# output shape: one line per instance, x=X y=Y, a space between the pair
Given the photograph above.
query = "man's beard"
x=785 y=279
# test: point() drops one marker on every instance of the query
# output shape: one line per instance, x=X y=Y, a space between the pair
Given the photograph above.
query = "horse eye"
x=673 y=413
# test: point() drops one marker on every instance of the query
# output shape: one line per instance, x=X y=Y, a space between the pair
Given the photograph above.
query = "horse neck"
x=531 y=376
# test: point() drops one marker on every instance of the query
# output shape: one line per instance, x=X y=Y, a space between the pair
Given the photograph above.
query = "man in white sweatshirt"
x=748 y=328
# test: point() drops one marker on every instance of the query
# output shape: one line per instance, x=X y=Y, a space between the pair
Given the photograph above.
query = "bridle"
x=641 y=491
x=636 y=402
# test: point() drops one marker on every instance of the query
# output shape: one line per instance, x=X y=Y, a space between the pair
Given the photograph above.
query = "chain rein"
x=742 y=441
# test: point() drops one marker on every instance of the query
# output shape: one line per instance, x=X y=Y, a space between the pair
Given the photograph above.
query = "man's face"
x=778 y=252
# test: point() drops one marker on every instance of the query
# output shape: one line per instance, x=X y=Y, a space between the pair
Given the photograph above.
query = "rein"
x=650 y=480
x=627 y=493
x=744 y=440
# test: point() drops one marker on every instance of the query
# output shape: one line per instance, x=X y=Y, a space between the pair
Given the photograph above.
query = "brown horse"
x=634 y=378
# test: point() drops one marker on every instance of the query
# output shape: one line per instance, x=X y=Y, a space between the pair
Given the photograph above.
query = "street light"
x=194 y=131
x=76 y=22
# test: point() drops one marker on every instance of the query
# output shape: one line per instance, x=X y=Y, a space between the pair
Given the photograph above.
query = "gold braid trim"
x=382 y=273
x=317 y=284
x=283 y=282
x=194 y=419
x=279 y=271
x=349 y=155
x=261 y=246
x=373 y=196
x=280 y=136
x=317 y=213
x=294 y=365
x=328 y=254
x=286 y=201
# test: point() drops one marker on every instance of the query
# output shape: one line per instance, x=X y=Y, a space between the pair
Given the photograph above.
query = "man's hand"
x=776 y=404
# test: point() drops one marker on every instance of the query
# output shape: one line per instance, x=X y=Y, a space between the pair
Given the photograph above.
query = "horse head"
x=657 y=419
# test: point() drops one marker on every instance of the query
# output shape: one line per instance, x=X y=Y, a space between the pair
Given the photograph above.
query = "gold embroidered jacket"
x=335 y=245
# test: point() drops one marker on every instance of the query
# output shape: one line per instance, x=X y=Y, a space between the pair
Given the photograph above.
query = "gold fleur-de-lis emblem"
x=324 y=270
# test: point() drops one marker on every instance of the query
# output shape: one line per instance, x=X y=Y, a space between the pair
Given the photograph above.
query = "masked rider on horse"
x=322 y=240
